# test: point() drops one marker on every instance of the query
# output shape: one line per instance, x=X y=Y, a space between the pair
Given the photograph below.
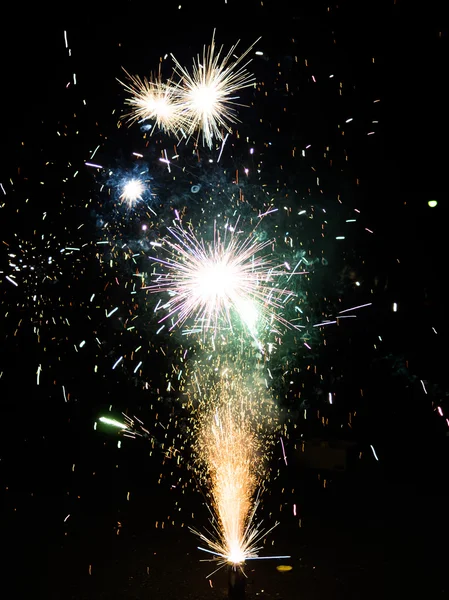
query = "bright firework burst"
x=209 y=92
x=153 y=99
x=212 y=282
x=132 y=191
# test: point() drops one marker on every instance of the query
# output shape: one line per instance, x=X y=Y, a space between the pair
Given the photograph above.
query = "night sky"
x=347 y=124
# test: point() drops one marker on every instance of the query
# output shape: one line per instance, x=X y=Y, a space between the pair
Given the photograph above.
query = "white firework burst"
x=155 y=100
x=215 y=282
x=209 y=91
x=132 y=191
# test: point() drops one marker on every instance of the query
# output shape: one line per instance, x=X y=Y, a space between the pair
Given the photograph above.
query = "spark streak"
x=355 y=308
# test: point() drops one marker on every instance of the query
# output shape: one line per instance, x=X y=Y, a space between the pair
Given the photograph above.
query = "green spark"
x=113 y=423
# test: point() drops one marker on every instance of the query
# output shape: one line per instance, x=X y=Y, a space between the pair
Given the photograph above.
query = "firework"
x=232 y=448
x=156 y=100
x=230 y=452
x=209 y=91
x=214 y=282
x=132 y=191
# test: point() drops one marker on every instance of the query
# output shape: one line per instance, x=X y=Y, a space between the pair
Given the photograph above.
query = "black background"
x=378 y=531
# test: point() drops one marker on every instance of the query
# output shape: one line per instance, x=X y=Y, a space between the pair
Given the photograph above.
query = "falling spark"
x=283 y=451
x=12 y=281
x=117 y=362
x=222 y=146
x=355 y=308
